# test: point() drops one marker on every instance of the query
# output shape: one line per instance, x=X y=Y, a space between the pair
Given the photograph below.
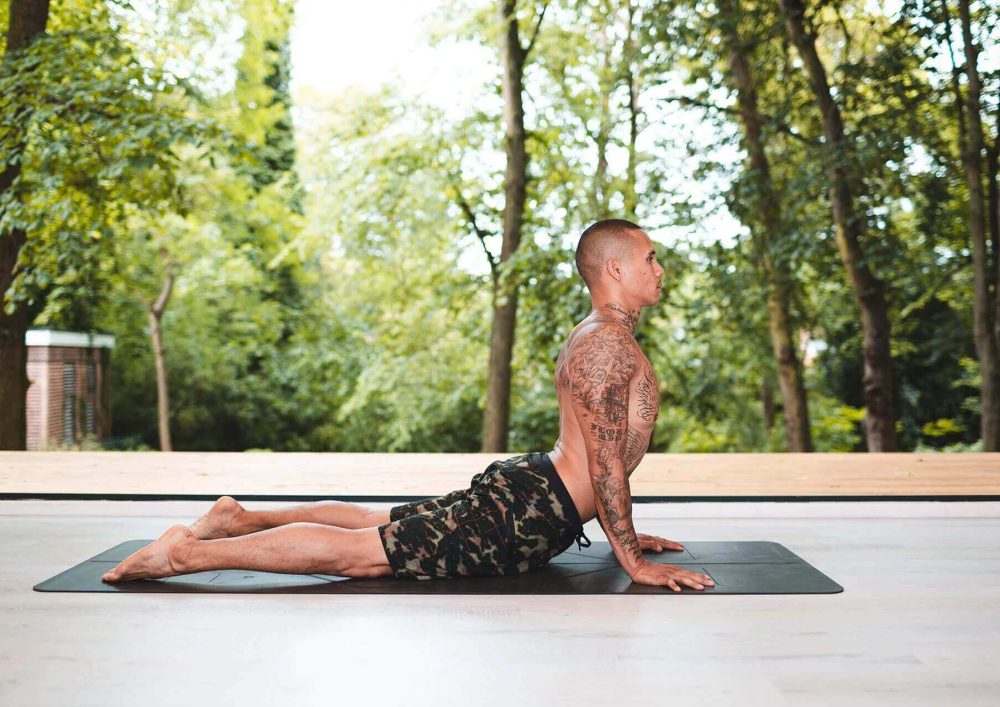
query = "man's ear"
x=614 y=268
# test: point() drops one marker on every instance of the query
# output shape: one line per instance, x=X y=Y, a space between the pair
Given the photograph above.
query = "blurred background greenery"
x=334 y=258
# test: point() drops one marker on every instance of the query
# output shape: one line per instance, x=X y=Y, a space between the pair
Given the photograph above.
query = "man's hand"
x=669 y=576
x=652 y=542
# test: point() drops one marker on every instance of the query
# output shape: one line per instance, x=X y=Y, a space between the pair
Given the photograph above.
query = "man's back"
x=601 y=346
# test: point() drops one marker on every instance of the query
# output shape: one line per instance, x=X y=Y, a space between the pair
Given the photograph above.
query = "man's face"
x=642 y=272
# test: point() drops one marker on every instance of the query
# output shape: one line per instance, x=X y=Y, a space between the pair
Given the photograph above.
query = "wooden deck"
x=660 y=477
x=918 y=623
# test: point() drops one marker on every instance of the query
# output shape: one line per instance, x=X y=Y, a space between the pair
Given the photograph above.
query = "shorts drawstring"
x=579 y=545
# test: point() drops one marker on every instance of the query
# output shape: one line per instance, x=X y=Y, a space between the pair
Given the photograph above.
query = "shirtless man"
x=517 y=514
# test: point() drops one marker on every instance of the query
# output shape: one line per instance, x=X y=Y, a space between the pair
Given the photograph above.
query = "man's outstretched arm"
x=600 y=369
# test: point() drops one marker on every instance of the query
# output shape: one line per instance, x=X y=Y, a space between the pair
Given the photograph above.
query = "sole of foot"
x=221 y=521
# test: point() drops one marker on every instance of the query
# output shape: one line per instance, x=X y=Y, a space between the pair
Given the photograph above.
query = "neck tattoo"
x=621 y=315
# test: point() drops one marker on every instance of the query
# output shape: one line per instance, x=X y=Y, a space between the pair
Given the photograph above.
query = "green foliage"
x=338 y=297
x=263 y=117
x=835 y=427
x=95 y=133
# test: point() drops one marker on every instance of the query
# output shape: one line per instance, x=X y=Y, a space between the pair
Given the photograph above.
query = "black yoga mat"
x=753 y=567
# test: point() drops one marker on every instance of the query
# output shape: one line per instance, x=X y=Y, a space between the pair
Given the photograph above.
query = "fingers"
x=691 y=579
x=695 y=584
x=701 y=579
x=669 y=544
x=652 y=542
x=673 y=577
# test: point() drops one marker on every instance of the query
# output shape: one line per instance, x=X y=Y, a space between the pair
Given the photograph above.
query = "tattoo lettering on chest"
x=604 y=434
x=647 y=397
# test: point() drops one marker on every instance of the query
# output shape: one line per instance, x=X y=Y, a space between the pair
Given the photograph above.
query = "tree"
x=765 y=206
x=513 y=55
x=26 y=21
x=986 y=307
x=869 y=290
x=101 y=134
x=401 y=369
x=263 y=118
x=156 y=310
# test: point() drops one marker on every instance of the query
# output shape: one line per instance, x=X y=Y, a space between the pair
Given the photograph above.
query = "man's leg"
x=298 y=548
x=227 y=518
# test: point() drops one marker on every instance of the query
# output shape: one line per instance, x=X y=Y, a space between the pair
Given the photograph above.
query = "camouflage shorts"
x=514 y=517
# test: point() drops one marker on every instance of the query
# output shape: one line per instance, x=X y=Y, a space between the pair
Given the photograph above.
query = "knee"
x=362 y=555
x=368 y=572
x=377 y=517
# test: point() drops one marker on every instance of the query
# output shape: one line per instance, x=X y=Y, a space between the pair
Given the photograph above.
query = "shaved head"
x=611 y=238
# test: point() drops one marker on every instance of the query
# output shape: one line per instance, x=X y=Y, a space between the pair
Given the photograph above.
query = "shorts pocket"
x=486 y=536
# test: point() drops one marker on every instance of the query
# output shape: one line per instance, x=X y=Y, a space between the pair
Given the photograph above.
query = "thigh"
x=434 y=504
x=471 y=537
x=427 y=505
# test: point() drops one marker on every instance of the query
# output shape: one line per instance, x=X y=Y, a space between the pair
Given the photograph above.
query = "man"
x=517 y=514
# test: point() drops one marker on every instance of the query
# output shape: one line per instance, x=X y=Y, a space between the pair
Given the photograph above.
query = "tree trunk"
x=27 y=19
x=869 y=291
x=633 y=75
x=496 y=421
x=767 y=402
x=995 y=221
x=765 y=209
x=993 y=209
x=155 y=312
x=986 y=323
x=606 y=82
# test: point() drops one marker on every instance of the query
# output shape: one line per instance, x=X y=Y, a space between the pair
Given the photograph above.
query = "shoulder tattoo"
x=599 y=371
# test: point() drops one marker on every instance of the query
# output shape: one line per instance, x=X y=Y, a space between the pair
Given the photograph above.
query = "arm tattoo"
x=648 y=396
x=600 y=368
x=635 y=449
x=614 y=498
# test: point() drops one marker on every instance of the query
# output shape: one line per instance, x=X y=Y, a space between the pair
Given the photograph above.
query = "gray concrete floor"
x=918 y=623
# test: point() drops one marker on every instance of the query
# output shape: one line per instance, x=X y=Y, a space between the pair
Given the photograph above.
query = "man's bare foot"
x=154 y=560
x=222 y=521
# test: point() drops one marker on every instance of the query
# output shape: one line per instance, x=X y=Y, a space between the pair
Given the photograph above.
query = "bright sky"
x=340 y=44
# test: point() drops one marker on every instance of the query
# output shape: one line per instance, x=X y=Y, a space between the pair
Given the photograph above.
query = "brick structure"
x=69 y=387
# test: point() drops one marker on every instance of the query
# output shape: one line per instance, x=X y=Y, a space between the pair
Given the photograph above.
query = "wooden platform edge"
x=306 y=498
x=662 y=478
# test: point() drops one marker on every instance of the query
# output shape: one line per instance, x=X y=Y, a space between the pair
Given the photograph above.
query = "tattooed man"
x=517 y=514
